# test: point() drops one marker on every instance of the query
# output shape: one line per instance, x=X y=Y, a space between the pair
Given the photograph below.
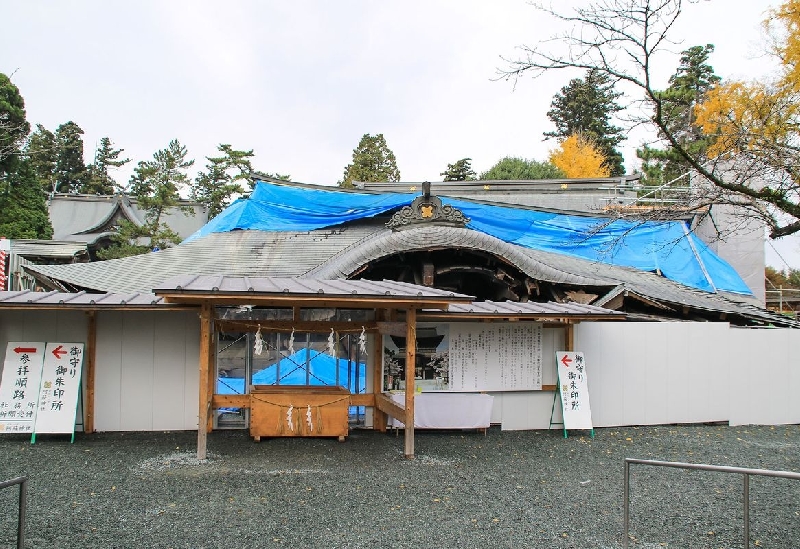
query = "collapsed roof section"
x=498 y=253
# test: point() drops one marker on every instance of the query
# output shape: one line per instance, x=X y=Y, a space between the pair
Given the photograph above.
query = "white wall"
x=146 y=369
x=685 y=372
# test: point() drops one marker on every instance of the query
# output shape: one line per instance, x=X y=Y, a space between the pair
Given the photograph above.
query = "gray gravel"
x=469 y=490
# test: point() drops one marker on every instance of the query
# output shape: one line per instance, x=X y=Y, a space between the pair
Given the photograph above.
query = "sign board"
x=495 y=357
x=40 y=387
x=574 y=390
x=59 y=389
x=19 y=387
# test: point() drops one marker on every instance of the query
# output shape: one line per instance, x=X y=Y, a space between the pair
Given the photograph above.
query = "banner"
x=574 y=390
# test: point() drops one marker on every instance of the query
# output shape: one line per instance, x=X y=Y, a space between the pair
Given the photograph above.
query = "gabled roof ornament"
x=427 y=208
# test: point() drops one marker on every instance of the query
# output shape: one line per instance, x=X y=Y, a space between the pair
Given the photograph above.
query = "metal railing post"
x=702 y=467
x=23 y=499
x=746 y=511
x=626 y=504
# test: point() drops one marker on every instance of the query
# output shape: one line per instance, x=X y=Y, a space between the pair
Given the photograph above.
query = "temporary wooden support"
x=390 y=407
x=204 y=399
x=91 y=359
x=411 y=359
x=569 y=337
x=378 y=417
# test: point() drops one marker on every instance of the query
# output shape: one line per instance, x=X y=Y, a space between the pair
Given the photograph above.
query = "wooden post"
x=204 y=398
x=212 y=370
x=91 y=357
x=378 y=417
x=569 y=337
x=411 y=370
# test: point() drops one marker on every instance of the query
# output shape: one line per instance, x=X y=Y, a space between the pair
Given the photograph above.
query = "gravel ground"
x=469 y=490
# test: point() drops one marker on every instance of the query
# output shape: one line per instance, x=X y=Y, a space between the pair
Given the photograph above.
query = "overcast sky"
x=300 y=82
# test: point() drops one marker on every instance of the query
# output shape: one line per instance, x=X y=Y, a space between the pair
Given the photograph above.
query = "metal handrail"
x=23 y=501
x=702 y=467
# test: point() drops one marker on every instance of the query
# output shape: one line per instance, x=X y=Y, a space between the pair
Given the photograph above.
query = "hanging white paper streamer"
x=289 y=421
x=291 y=343
x=362 y=341
x=258 y=347
x=331 y=344
x=308 y=419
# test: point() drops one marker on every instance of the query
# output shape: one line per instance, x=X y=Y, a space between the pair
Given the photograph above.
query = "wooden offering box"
x=298 y=411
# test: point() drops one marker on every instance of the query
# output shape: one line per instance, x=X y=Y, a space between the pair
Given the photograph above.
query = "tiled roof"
x=82 y=300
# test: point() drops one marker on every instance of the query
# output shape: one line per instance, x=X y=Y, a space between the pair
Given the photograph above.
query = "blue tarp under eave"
x=667 y=247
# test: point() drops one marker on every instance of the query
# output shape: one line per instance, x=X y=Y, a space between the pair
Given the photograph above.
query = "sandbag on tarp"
x=666 y=247
x=321 y=367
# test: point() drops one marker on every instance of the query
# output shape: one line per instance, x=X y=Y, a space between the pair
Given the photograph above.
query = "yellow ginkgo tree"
x=749 y=130
x=578 y=156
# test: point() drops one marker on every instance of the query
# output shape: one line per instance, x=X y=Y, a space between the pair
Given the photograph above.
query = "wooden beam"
x=378 y=417
x=204 y=398
x=212 y=372
x=227 y=325
x=389 y=406
x=569 y=337
x=411 y=370
x=91 y=358
x=230 y=401
x=316 y=301
x=367 y=399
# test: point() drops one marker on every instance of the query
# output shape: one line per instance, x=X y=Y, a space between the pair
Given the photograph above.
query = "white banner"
x=19 y=388
x=574 y=390
x=60 y=387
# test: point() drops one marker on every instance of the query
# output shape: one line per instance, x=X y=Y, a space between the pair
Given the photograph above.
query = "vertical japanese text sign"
x=574 y=390
x=19 y=388
x=60 y=386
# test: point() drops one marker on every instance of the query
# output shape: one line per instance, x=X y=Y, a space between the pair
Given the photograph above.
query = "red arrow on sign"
x=24 y=350
x=565 y=360
x=58 y=351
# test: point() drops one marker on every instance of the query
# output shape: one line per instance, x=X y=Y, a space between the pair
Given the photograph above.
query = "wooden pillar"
x=378 y=417
x=204 y=398
x=411 y=356
x=212 y=370
x=91 y=357
x=569 y=337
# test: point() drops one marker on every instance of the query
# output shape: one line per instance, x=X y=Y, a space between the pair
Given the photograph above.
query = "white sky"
x=300 y=82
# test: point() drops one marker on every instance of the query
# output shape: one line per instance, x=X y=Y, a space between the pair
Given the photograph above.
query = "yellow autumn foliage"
x=577 y=156
x=759 y=116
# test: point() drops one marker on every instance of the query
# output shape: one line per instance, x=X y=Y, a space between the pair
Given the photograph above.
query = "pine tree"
x=519 y=169
x=70 y=170
x=585 y=106
x=42 y=157
x=687 y=87
x=222 y=180
x=373 y=161
x=461 y=170
x=156 y=184
x=98 y=178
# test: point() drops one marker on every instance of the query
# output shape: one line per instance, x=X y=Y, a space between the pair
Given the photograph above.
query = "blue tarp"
x=668 y=246
x=322 y=371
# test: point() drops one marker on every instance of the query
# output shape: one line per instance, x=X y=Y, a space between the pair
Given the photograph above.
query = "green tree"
x=373 y=161
x=23 y=205
x=22 y=202
x=585 y=106
x=70 y=169
x=14 y=126
x=222 y=180
x=156 y=184
x=42 y=156
x=98 y=178
x=461 y=170
x=693 y=78
x=514 y=168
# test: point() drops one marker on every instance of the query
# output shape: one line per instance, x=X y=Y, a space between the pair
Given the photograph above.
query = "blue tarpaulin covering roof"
x=668 y=247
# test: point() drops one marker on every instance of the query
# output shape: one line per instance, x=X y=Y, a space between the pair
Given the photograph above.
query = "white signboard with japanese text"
x=59 y=388
x=19 y=387
x=495 y=357
x=574 y=390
